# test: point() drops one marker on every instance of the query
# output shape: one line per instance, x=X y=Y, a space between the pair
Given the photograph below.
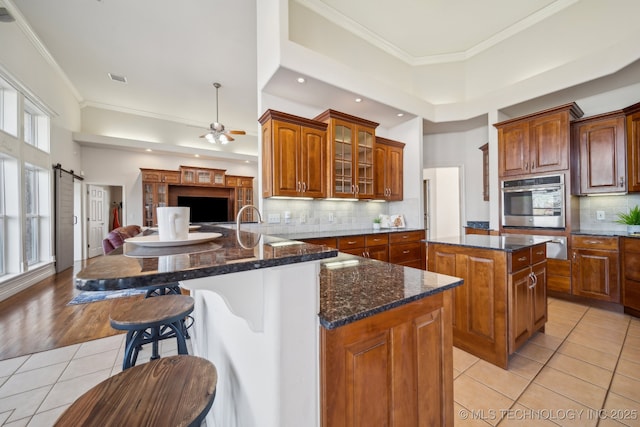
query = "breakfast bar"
x=280 y=317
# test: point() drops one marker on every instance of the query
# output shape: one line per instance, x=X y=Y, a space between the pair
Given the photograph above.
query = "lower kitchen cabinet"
x=393 y=368
x=631 y=275
x=595 y=267
x=527 y=297
x=500 y=305
x=405 y=248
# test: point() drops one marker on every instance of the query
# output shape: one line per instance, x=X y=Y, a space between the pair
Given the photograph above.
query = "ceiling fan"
x=217 y=133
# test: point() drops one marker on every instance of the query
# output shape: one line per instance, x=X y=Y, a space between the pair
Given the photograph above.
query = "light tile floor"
x=583 y=371
x=585 y=366
x=36 y=389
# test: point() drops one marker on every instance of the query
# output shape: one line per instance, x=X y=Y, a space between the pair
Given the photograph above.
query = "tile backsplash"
x=611 y=206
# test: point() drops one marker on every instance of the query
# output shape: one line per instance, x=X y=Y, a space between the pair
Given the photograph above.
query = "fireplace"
x=207 y=204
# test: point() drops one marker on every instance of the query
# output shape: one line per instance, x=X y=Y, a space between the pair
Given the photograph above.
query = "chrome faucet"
x=238 y=218
x=242 y=209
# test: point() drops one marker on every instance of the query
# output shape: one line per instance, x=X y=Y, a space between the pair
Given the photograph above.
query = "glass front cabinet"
x=351 y=146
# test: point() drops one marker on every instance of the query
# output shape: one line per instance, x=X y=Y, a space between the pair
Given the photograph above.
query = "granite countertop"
x=132 y=265
x=502 y=243
x=343 y=233
x=605 y=233
x=353 y=288
x=482 y=225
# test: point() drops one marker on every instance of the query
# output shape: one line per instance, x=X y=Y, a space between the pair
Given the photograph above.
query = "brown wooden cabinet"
x=497 y=308
x=388 y=169
x=633 y=147
x=202 y=176
x=243 y=195
x=595 y=266
x=394 y=368
x=375 y=246
x=350 y=148
x=527 y=294
x=405 y=248
x=293 y=156
x=600 y=145
x=155 y=192
x=631 y=275
x=537 y=143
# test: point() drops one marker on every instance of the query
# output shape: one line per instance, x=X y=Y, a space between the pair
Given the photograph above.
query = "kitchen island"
x=279 y=318
x=503 y=300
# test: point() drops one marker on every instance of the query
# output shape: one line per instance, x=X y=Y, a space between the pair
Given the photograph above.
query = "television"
x=206 y=209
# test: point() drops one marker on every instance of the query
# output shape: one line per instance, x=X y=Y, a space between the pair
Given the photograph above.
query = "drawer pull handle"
x=540 y=253
x=522 y=258
x=351 y=243
x=594 y=242
x=406 y=251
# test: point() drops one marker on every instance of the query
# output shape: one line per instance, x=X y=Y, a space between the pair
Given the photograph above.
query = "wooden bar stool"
x=172 y=391
x=151 y=320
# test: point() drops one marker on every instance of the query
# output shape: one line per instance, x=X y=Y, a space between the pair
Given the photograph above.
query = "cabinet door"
x=513 y=149
x=381 y=252
x=400 y=359
x=594 y=274
x=602 y=151
x=342 y=162
x=380 y=182
x=313 y=162
x=633 y=152
x=286 y=153
x=549 y=143
x=395 y=173
x=539 y=296
x=363 y=161
x=520 y=317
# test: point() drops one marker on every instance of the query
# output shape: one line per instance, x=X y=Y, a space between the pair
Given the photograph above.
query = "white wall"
x=105 y=166
x=461 y=149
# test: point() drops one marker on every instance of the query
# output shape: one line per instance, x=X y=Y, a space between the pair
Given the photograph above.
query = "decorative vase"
x=376 y=226
x=633 y=229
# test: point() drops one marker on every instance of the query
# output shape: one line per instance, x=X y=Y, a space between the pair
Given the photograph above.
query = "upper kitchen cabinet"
x=294 y=153
x=202 y=176
x=350 y=155
x=388 y=169
x=633 y=147
x=537 y=143
x=600 y=145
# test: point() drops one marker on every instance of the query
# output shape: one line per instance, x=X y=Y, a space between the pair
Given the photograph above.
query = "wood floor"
x=39 y=318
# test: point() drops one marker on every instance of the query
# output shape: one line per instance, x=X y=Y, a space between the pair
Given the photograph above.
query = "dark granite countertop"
x=133 y=266
x=342 y=233
x=501 y=243
x=353 y=288
x=482 y=225
x=605 y=233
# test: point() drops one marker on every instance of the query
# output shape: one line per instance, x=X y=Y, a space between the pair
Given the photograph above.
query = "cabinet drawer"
x=376 y=239
x=403 y=253
x=350 y=242
x=631 y=244
x=538 y=253
x=330 y=242
x=519 y=259
x=406 y=236
x=171 y=177
x=151 y=176
x=594 y=242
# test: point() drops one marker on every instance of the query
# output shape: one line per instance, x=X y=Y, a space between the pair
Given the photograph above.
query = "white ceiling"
x=171 y=52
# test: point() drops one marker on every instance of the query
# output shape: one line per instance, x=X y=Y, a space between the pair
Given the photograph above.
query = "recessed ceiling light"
x=301 y=80
x=148 y=149
x=400 y=114
x=197 y=155
x=117 y=78
x=358 y=99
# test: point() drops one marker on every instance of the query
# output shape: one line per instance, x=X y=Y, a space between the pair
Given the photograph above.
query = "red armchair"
x=116 y=237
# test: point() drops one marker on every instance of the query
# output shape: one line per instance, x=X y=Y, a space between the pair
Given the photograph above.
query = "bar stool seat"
x=150 y=320
x=172 y=391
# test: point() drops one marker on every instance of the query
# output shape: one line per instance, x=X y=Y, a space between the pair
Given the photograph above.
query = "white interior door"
x=97 y=218
x=444 y=201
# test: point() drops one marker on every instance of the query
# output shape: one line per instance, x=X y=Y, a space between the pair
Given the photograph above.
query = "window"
x=35 y=126
x=36 y=216
x=31 y=215
x=8 y=108
x=2 y=217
